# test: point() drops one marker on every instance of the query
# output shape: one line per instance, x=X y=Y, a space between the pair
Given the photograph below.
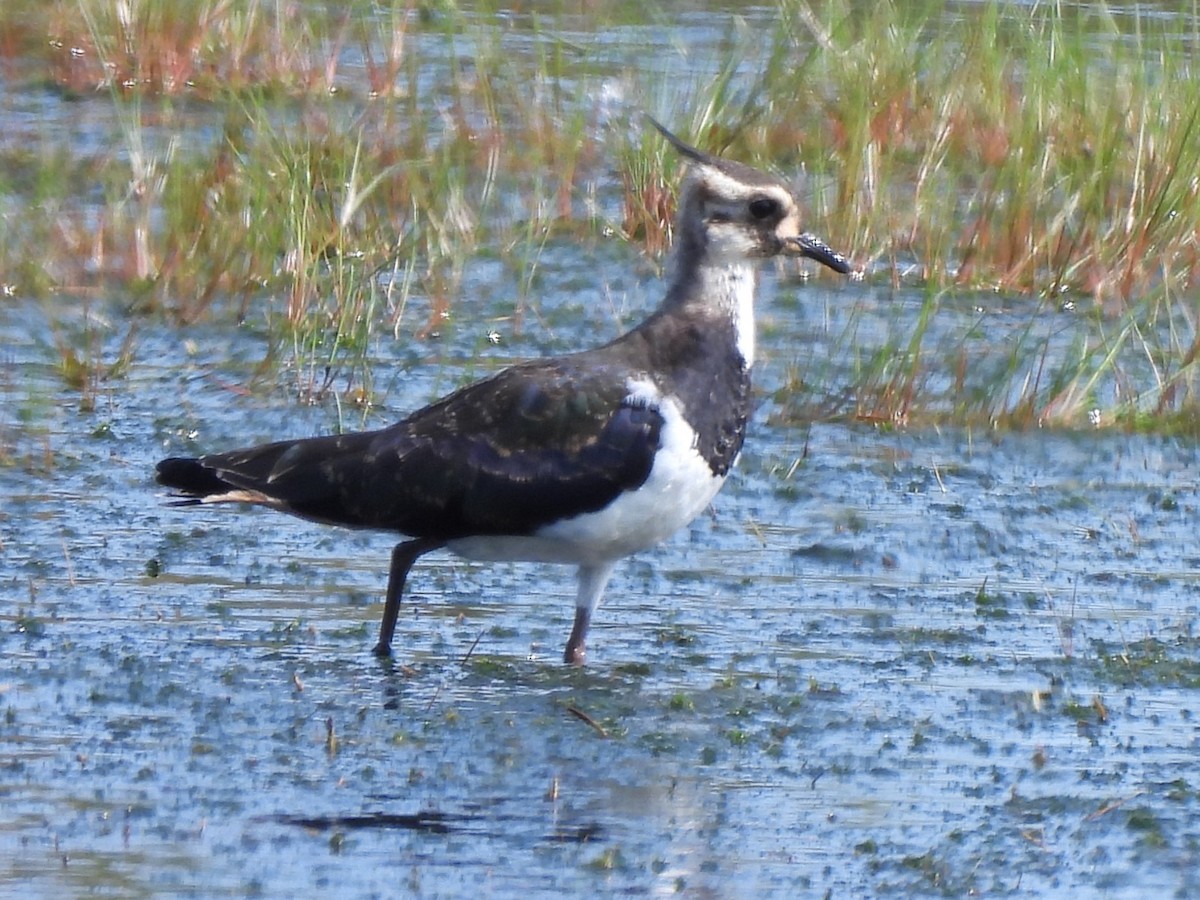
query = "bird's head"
x=730 y=211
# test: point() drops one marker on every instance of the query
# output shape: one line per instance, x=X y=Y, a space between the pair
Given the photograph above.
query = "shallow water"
x=917 y=663
x=887 y=662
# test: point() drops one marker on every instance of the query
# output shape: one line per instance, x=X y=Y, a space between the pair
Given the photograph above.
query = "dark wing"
x=533 y=444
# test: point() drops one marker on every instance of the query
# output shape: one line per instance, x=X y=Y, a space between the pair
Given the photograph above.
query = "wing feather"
x=533 y=444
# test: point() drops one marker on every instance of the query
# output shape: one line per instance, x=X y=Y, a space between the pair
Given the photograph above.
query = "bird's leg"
x=403 y=556
x=592 y=581
x=576 y=644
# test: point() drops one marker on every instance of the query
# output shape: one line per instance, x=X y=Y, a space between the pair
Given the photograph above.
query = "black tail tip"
x=174 y=469
x=189 y=475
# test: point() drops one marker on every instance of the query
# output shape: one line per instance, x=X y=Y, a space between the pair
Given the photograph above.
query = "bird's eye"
x=764 y=207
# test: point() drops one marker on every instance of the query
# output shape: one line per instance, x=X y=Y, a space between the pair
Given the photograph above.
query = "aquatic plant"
x=317 y=168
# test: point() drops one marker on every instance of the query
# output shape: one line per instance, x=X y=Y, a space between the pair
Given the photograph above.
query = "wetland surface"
x=912 y=662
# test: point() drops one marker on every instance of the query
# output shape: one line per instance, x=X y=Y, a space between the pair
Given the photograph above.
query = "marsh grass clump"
x=999 y=148
x=250 y=177
x=999 y=156
x=84 y=366
x=1006 y=361
x=206 y=49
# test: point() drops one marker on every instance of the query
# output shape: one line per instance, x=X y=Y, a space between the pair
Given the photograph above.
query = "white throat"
x=718 y=274
x=730 y=289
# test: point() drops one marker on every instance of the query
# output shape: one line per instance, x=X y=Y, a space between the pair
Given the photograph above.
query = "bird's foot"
x=575 y=654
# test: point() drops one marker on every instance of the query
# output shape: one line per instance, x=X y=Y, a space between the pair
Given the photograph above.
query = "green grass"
x=273 y=167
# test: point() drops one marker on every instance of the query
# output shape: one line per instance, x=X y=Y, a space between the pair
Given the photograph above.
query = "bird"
x=581 y=459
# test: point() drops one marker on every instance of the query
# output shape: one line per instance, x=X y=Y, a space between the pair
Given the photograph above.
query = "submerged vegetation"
x=313 y=167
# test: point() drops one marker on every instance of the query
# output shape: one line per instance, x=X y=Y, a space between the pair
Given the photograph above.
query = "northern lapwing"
x=580 y=459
